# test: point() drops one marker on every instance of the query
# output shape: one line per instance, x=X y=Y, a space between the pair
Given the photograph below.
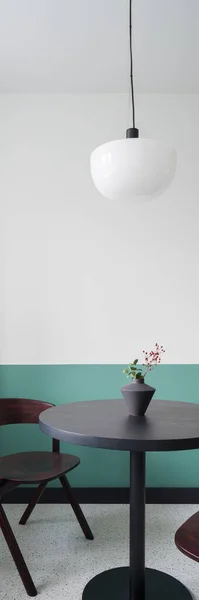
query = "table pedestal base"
x=114 y=585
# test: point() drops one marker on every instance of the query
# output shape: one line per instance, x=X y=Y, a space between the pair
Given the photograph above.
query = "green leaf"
x=135 y=362
x=138 y=375
x=126 y=371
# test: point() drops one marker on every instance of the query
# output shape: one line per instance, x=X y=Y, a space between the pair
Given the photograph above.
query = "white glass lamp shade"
x=133 y=168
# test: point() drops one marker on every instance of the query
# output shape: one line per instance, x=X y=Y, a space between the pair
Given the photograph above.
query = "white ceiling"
x=82 y=45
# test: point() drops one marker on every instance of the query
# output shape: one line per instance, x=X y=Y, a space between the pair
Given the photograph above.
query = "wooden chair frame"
x=21 y=410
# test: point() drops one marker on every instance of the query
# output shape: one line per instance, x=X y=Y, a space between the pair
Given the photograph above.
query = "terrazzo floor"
x=61 y=561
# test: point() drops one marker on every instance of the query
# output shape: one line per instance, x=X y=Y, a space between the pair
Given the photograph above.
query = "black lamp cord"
x=131 y=61
x=132 y=131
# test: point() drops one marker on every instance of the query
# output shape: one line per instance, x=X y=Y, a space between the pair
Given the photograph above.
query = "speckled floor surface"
x=61 y=561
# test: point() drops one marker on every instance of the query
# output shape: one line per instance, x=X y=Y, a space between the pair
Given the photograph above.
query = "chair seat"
x=34 y=467
x=187 y=537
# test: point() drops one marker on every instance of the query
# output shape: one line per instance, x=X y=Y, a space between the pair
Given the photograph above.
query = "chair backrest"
x=21 y=410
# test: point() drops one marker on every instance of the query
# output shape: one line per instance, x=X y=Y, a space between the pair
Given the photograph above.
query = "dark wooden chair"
x=187 y=537
x=32 y=467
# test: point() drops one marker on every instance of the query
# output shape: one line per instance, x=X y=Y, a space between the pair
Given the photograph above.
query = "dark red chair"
x=187 y=537
x=32 y=467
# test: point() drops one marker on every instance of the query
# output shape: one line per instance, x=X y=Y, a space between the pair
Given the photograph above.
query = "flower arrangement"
x=151 y=360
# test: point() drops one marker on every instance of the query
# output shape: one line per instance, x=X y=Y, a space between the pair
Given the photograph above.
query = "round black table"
x=105 y=424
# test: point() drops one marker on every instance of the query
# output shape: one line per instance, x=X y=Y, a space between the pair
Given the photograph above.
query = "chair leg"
x=76 y=508
x=16 y=554
x=37 y=494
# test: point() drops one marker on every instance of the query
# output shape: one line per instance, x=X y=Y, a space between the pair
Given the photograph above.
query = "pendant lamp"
x=132 y=168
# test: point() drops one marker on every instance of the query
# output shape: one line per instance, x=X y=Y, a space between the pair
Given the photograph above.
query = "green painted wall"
x=70 y=383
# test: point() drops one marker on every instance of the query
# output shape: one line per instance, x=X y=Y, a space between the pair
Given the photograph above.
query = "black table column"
x=137 y=526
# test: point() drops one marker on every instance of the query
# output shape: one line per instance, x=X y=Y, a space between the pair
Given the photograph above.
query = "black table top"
x=167 y=425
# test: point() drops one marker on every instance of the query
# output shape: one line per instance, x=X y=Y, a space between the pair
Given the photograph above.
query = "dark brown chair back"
x=21 y=410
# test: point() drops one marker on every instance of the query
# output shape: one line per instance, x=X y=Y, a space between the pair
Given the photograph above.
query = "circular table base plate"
x=114 y=585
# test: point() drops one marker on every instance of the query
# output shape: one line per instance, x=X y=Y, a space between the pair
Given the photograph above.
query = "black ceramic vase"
x=137 y=396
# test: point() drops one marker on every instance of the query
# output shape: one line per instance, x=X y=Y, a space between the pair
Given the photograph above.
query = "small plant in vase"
x=137 y=394
x=151 y=360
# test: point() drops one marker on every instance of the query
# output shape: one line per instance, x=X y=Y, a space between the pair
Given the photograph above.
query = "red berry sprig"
x=152 y=358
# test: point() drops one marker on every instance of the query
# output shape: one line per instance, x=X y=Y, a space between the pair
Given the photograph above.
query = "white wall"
x=83 y=280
